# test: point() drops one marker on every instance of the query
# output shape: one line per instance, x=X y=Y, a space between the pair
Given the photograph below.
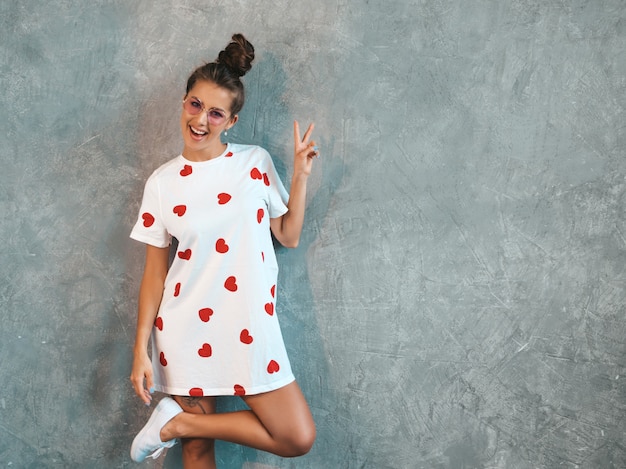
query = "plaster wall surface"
x=457 y=299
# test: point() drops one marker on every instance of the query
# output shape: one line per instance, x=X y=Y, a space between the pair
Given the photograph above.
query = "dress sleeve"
x=277 y=195
x=149 y=228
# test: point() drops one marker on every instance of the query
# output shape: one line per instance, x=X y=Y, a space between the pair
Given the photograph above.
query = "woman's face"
x=205 y=115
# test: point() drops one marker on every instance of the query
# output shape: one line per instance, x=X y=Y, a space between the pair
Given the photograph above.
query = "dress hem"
x=228 y=392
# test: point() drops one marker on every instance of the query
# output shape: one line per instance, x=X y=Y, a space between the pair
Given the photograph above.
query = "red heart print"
x=158 y=323
x=180 y=210
x=231 y=284
x=245 y=337
x=256 y=174
x=186 y=171
x=177 y=289
x=273 y=291
x=239 y=390
x=273 y=367
x=269 y=308
x=266 y=180
x=205 y=314
x=259 y=215
x=205 y=351
x=196 y=392
x=162 y=359
x=185 y=255
x=229 y=154
x=221 y=246
x=148 y=219
x=223 y=198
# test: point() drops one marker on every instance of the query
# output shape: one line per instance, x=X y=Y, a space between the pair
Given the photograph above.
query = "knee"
x=195 y=449
x=300 y=443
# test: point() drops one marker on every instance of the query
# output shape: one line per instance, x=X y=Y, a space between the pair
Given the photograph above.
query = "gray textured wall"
x=458 y=297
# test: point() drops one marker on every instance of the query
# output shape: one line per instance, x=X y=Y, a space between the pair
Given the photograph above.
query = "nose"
x=202 y=117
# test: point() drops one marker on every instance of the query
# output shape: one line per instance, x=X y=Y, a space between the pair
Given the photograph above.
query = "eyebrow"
x=211 y=108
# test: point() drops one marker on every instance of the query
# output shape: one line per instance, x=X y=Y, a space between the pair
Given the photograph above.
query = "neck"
x=204 y=155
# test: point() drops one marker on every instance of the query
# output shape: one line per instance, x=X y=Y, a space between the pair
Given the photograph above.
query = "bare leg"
x=198 y=453
x=279 y=422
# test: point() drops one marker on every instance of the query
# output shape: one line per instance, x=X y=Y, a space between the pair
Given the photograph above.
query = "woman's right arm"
x=150 y=295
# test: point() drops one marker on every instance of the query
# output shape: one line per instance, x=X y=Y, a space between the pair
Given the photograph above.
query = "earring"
x=226 y=133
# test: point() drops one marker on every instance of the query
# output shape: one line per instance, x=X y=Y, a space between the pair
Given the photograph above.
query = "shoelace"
x=157 y=453
x=160 y=449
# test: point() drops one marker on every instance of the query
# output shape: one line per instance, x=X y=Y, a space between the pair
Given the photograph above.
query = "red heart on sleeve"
x=148 y=219
x=273 y=367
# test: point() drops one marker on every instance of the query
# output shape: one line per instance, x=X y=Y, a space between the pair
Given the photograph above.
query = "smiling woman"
x=211 y=317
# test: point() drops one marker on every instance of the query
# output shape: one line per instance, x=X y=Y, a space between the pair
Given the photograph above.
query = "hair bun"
x=237 y=56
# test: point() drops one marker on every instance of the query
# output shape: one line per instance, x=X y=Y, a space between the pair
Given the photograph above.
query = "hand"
x=304 y=150
x=142 y=370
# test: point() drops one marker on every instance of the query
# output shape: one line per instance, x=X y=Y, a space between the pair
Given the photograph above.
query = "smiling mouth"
x=197 y=132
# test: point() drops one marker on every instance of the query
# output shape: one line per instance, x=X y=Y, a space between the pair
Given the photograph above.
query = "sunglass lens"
x=193 y=106
x=216 y=117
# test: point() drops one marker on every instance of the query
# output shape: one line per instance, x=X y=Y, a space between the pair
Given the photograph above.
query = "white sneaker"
x=148 y=442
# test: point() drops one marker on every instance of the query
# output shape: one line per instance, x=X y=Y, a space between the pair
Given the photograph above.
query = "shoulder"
x=254 y=152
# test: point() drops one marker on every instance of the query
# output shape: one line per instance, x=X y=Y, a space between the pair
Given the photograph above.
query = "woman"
x=211 y=316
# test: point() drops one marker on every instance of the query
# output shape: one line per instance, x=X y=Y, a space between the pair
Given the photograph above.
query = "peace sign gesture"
x=287 y=228
x=304 y=150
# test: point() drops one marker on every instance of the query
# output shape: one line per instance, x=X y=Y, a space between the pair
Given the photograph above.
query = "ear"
x=233 y=121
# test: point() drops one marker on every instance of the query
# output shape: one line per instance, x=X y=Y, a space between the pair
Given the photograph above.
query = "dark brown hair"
x=226 y=71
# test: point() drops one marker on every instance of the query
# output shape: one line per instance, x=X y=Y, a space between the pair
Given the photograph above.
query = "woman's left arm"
x=287 y=228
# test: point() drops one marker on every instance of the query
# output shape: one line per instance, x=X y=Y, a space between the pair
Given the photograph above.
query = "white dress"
x=216 y=332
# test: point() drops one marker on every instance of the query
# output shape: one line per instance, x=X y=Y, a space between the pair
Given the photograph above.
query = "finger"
x=296 y=132
x=149 y=383
x=138 y=388
x=145 y=396
x=138 y=385
x=149 y=388
x=313 y=150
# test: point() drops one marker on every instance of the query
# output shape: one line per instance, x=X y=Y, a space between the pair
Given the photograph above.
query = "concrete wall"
x=458 y=297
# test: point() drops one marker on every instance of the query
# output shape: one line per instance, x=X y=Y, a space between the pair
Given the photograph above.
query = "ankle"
x=168 y=432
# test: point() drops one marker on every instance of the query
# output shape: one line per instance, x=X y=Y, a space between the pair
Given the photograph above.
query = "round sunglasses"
x=194 y=107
